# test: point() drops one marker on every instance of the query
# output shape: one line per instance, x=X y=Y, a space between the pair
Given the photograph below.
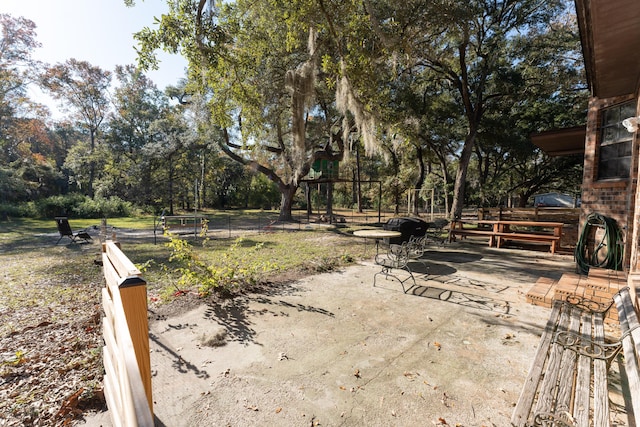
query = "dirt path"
x=333 y=350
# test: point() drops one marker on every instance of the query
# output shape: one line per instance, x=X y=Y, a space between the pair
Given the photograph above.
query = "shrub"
x=61 y=205
x=17 y=210
x=79 y=206
x=103 y=208
x=236 y=269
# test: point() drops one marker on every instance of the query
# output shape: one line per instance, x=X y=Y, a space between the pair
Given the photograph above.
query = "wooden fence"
x=127 y=364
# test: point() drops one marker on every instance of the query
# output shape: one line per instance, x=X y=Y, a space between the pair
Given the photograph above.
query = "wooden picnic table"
x=500 y=231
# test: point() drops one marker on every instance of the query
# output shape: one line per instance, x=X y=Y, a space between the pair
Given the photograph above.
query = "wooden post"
x=133 y=293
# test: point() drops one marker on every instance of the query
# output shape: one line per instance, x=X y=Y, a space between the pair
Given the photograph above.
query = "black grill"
x=407 y=226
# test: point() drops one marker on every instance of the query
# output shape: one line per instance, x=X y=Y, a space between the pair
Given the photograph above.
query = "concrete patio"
x=331 y=349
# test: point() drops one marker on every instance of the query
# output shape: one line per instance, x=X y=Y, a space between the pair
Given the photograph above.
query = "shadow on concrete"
x=431 y=268
x=474 y=285
x=452 y=256
x=157 y=422
x=461 y=298
x=233 y=316
x=178 y=363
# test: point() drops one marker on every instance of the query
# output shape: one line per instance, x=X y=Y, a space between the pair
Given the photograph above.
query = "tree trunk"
x=202 y=193
x=354 y=188
x=287 y=193
x=445 y=190
x=461 y=176
x=92 y=163
x=170 y=186
x=359 y=188
x=396 y=199
x=307 y=193
x=330 y=201
x=522 y=199
x=419 y=179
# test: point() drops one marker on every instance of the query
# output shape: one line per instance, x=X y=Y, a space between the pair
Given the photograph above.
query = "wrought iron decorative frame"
x=587 y=347
x=589 y=305
x=584 y=346
x=548 y=419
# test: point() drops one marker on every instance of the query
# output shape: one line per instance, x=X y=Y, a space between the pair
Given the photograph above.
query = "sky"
x=97 y=31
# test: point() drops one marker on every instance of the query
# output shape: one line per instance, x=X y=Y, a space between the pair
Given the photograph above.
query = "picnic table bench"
x=458 y=228
x=568 y=382
x=183 y=224
x=500 y=231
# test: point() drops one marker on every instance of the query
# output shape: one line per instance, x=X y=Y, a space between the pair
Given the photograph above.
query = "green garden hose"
x=611 y=241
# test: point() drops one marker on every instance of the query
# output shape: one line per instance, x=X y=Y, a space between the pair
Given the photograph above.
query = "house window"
x=615 y=142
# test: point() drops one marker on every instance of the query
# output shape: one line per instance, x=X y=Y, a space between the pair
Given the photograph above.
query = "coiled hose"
x=611 y=241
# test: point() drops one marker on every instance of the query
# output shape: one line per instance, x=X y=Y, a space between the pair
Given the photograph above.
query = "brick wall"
x=614 y=198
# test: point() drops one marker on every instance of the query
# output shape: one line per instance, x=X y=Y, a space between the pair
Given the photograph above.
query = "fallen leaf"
x=70 y=404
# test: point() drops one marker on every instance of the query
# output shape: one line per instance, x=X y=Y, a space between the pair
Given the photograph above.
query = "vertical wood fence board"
x=114 y=371
x=110 y=396
x=126 y=353
x=131 y=385
x=134 y=303
x=127 y=363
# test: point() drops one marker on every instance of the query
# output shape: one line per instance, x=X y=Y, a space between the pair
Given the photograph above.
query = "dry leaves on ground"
x=50 y=340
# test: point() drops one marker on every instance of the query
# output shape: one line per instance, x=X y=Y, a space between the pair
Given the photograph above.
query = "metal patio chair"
x=396 y=258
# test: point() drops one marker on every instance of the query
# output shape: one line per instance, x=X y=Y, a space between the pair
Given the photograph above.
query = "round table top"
x=377 y=234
